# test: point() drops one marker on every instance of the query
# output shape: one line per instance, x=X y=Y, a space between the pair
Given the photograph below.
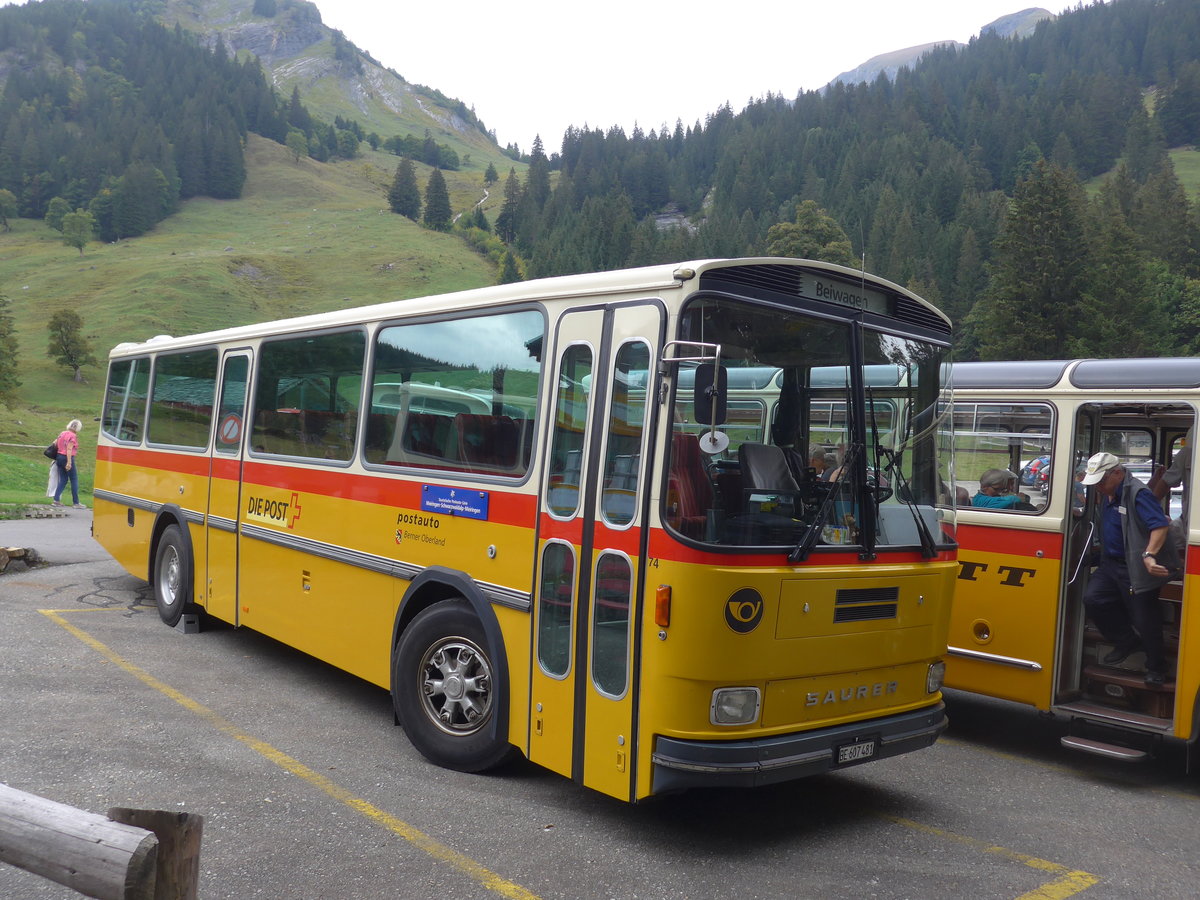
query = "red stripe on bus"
x=163 y=461
x=504 y=507
x=1010 y=541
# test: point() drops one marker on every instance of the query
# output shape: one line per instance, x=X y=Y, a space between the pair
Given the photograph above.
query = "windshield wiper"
x=902 y=490
x=808 y=540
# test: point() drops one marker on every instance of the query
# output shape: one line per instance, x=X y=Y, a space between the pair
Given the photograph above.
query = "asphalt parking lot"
x=309 y=791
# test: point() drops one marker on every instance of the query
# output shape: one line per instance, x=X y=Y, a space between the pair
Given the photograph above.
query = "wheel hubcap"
x=169 y=580
x=456 y=686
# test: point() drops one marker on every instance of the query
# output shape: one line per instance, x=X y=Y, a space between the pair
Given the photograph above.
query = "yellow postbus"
x=532 y=513
x=1020 y=629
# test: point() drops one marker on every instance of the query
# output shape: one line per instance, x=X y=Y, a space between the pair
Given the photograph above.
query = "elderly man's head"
x=995 y=482
x=1105 y=472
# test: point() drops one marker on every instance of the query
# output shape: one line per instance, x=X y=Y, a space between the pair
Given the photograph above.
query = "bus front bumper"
x=682 y=764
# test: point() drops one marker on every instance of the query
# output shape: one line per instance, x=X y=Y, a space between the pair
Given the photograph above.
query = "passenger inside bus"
x=996 y=491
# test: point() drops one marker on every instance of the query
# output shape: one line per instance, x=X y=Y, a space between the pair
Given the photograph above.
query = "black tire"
x=445 y=691
x=172 y=576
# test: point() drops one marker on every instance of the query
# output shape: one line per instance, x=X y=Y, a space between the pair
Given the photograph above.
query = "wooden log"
x=84 y=851
x=178 y=868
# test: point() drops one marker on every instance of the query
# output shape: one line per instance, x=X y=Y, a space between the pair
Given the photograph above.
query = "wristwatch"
x=1148 y=555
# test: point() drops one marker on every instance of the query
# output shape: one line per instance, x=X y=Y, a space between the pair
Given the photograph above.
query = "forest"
x=1025 y=186
x=105 y=110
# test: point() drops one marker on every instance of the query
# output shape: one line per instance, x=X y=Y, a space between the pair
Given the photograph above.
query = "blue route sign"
x=454 y=501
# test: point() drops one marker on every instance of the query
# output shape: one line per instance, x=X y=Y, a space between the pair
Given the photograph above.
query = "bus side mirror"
x=712 y=389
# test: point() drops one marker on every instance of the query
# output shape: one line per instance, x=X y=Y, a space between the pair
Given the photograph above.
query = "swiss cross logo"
x=295 y=510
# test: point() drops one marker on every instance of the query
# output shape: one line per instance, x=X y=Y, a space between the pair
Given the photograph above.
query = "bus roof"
x=1084 y=374
x=649 y=279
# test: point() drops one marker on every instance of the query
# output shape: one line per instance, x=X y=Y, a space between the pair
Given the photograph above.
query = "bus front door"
x=225 y=489
x=591 y=547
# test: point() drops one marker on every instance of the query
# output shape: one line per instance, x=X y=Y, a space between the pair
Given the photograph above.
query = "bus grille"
x=864 y=604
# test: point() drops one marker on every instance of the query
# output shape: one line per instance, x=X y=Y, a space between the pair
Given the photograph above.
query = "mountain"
x=335 y=78
x=1019 y=24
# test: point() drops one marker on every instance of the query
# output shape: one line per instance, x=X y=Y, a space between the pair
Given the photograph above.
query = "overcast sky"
x=536 y=67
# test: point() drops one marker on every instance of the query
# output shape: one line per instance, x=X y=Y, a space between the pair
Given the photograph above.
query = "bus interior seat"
x=765 y=468
x=492 y=442
x=420 y=437
x=689 y=482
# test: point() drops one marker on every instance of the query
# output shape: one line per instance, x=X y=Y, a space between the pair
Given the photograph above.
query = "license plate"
x=849 y=753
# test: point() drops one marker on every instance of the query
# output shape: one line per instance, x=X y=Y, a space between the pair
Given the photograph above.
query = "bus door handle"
x=1084 y=553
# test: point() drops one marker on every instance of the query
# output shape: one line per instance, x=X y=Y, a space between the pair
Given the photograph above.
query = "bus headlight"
x=936 y=677
x=734 y=706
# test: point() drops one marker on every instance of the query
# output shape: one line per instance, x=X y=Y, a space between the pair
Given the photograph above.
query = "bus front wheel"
x=172 y=575
x=444 y=689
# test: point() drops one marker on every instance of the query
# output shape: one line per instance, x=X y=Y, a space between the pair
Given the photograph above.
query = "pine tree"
x=437 y=203
x=509 y=272
x=1161 y=218
x=404 y=197
x=1118 y=311
x=1178 y=107
x=1031 y=309
x=506 y=222
x=490 y=175
x=9 y=366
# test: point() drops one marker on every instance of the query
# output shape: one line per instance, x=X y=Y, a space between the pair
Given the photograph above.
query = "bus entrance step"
x=1099 y=748
x=1129 y=689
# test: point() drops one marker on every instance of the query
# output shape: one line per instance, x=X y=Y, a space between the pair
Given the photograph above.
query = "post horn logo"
x=744 y=610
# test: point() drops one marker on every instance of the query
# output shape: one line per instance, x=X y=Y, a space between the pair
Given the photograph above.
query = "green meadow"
x=305 y=237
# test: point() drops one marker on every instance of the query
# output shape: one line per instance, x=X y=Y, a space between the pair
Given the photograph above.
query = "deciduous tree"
x=55 y=211
x=78 y=228
x=297 y=143
x=814 y=235
x=68 y=346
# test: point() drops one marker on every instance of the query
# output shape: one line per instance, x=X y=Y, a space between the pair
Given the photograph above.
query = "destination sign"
x=855 y=296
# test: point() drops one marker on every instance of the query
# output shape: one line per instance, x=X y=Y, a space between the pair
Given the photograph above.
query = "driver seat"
x=765 y=468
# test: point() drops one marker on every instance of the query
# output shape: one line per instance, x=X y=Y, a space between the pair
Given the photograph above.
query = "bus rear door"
x=225 y=488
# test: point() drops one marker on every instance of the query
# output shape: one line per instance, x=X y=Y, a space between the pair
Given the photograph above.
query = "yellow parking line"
x=1068 y=883
x=437 y=850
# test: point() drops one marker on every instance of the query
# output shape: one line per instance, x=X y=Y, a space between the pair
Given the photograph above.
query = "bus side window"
x=181 y=405
x=306 y=402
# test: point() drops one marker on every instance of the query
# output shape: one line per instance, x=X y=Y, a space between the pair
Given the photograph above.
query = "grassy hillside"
x=297 y=52
x=305 y=237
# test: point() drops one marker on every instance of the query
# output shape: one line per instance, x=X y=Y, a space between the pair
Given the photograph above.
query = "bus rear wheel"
x=172 y=576
x=444 y=689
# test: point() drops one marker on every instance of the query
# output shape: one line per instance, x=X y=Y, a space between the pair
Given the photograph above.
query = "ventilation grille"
x=786 y=280
x=865 y=604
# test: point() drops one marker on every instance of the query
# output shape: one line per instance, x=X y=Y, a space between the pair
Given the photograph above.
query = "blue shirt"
x=1112 y=537
x=1004 y=501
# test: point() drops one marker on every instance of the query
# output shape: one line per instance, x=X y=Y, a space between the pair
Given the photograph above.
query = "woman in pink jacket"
x=68 y=449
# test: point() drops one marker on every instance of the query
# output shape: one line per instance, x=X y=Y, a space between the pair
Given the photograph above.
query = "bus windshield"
x=833 y=435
